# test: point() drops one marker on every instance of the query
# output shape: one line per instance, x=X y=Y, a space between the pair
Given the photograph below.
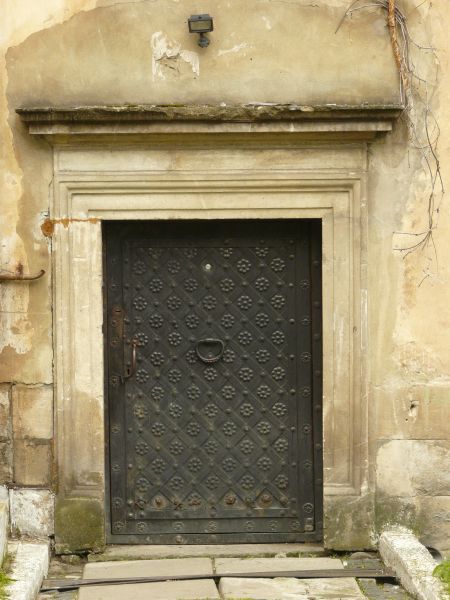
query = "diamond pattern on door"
x=209 y=433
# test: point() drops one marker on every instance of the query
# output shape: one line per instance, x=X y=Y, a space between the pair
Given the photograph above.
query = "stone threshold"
x=122 y=552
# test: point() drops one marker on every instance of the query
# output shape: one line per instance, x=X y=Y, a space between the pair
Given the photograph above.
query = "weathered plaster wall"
x=409 y=295
x=66 y=53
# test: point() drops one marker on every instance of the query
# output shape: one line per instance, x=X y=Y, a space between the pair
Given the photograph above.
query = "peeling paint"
x=267 y=23
x=15 y=326
x=234 y=49
x=167 y=55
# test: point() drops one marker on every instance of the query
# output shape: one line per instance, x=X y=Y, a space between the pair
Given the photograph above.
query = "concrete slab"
x=280 y=588
x=171 y=590
x=119 y=552
x=148 y=568
x=262 y=565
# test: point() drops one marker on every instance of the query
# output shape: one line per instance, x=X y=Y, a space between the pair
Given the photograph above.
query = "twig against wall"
x=423 y=128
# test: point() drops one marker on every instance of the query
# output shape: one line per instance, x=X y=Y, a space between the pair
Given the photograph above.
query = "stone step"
x=226 y=566
x=148 y=568
x=171 y=590
x=289 y=588
x=113 y=553
x=206 y=588
x=29 y=566
x=203 y=567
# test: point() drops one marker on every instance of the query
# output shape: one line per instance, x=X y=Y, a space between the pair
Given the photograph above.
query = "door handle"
x=209 y=350
x=131 y=369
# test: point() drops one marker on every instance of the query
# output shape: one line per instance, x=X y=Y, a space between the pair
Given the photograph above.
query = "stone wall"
x=75 y=52
x=26 y=440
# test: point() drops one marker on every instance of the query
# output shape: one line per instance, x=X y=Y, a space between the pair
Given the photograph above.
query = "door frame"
x=208 y=176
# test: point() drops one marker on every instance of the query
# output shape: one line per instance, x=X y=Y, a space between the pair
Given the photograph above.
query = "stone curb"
x=3 y=530
x=412 y=563
x=30 y=562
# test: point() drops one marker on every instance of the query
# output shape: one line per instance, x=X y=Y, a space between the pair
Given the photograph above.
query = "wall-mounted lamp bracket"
x=201 y=24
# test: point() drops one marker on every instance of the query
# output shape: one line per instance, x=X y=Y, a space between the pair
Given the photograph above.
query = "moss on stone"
x=5 y=580
x=398 y=511
x=442 y=572
x=79 y=526
x=349 y=523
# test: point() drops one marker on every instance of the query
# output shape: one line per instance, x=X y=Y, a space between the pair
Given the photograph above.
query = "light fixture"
x=201 y=24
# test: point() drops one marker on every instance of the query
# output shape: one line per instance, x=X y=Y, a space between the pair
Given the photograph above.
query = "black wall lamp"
x=201 y=24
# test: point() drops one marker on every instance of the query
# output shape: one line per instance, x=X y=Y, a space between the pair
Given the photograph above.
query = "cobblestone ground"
x=371 y=588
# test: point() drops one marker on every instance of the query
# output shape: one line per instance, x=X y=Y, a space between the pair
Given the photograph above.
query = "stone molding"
x=155 y=174
x=312 y=122
x=255 y=112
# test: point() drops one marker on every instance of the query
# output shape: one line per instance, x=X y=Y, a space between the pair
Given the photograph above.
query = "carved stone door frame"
x=223 y=173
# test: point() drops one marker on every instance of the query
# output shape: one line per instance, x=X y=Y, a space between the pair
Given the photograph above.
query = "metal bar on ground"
x=60 y=585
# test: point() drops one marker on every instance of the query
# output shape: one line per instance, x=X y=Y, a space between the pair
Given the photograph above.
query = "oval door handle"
x=130 y=370
x=210 y=350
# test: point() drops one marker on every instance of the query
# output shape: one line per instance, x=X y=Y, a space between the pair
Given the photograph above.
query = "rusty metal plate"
x=213 y=352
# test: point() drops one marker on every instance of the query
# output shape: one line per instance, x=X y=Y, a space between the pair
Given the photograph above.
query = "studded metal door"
x=213 y=355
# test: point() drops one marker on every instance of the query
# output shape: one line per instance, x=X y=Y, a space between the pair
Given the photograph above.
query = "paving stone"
x=345 y=587
x=120 y=552
x=262 y=565
x=148 y=568
x=73 y=595
x=61 y=569
x=382 y=591
x=370 y=563
x=171 y=590
x=289 y=588
x=269 y=589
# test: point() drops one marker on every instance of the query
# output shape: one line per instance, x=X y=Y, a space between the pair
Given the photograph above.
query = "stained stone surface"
x=383 y=591
x=61 y=569
x=149 y=568
x=288 y=588
x=168 y=590
x=241 y=587
x=261 y=565
x=138 y=552
x=177 y=590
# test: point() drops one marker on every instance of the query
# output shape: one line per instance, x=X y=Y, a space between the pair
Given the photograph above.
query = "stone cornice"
x=329 y=121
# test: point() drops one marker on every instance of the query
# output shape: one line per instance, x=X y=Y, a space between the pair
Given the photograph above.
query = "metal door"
x=213 y=380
